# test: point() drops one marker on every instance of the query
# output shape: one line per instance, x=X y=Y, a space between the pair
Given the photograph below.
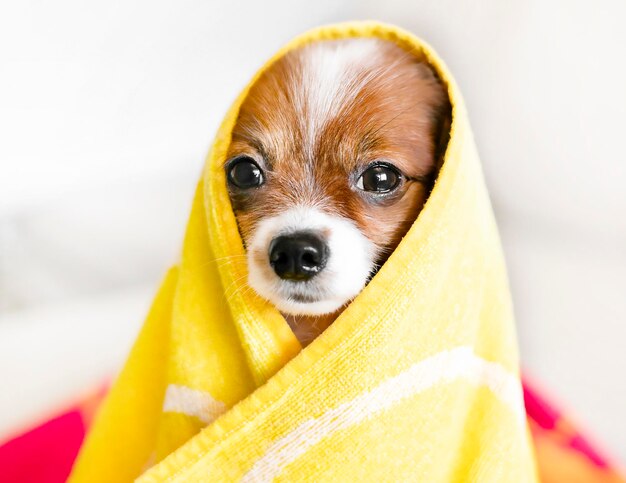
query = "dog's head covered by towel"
x=417 y=380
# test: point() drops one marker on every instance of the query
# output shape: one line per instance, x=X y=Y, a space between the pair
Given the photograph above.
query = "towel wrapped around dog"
x=417 y=380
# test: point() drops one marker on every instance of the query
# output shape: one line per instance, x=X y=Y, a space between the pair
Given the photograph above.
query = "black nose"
x=299 y=256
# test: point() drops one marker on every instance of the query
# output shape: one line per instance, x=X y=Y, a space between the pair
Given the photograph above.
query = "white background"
x=107 y=109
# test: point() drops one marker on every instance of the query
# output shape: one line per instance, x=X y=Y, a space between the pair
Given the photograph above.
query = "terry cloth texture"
x=417 y=380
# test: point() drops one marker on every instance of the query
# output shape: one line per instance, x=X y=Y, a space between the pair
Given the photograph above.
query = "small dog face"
x=332 y=157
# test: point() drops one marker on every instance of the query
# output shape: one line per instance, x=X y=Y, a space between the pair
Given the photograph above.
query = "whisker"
x=242 y=290
x=235 y=284
x=223 y=260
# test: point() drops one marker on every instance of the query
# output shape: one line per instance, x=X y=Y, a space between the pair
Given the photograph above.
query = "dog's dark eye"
x=379 y=178
x=244 y=173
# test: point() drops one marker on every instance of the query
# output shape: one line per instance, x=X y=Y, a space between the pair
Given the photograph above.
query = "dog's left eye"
x=244 y=173
x=379 y=178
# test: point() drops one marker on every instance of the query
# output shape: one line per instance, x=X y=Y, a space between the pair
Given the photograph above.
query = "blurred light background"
x=107 y=109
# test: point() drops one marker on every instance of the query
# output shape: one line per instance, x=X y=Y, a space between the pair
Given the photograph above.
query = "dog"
x=333 y=154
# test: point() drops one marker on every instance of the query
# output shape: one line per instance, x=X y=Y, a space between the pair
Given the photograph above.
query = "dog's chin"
x=292 y=299
x=298 y=305
x=322 y=307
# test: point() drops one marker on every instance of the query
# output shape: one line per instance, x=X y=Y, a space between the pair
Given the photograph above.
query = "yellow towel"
x=416 y=381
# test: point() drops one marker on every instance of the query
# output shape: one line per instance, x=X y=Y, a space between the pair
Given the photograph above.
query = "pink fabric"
x=548 y=418
x=44 y=454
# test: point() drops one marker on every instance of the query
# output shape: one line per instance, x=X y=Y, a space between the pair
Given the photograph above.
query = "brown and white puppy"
x=332 y=157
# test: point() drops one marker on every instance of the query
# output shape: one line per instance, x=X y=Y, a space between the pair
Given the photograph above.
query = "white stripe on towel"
x=447 y=366
x=192 y=402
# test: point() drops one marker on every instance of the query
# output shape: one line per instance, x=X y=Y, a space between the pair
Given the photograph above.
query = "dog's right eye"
x=244 y=173
x=379 y=178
